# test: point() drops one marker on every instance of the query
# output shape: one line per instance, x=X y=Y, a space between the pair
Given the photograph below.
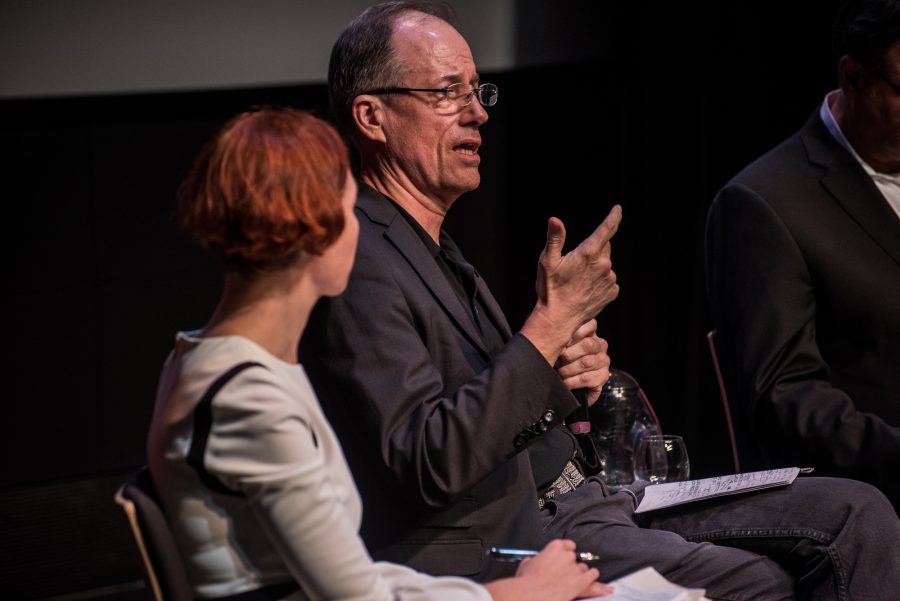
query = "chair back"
x=711 y=341
x=162 y=562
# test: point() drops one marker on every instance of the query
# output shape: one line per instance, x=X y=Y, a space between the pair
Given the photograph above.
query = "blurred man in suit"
x=803 y=262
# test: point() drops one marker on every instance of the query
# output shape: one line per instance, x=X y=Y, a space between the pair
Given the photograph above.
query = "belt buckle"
x=570 y=479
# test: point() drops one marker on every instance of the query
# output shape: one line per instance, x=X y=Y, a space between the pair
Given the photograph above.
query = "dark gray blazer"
x=803 y=266
x=427 y=418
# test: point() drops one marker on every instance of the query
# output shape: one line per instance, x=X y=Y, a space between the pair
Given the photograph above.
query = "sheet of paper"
x=659 y=496
x=649 y=585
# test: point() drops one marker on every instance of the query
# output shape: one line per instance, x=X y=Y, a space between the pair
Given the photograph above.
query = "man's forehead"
x=426 y=43
x=413 y=22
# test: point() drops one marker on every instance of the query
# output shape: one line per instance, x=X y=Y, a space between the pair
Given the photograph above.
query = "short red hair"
x=267 y=187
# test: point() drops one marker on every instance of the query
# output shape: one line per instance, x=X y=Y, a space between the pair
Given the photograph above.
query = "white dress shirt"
x=888 y=184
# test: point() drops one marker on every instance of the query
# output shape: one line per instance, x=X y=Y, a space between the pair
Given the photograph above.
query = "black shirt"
x=462 y=277
x=549 y=454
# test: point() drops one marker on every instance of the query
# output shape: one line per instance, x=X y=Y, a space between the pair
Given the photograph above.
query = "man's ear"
x=368 y=115
x=850 y=73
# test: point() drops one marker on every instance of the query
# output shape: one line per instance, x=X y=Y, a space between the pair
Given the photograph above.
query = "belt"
x=570 y=479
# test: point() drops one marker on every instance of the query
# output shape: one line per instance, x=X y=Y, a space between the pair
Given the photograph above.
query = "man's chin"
x=469 y=184
x=451 y=190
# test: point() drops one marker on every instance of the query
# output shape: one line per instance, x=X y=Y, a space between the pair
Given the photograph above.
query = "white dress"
x=297 y=514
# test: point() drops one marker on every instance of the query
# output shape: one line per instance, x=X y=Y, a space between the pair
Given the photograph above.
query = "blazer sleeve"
x=764 y=308
x=262 y=444
x=386 y=357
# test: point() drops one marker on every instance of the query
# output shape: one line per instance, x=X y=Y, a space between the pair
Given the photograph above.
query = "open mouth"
x=467 y=148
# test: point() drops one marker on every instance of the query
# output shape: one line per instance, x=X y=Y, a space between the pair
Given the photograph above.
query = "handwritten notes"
x=660 y=496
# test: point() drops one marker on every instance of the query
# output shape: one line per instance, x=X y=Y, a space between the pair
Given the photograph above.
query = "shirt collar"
x=835 y=130
x=430 y=244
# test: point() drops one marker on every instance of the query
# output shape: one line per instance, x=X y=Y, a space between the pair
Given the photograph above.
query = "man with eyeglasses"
x=451 y=422
x=803 y=263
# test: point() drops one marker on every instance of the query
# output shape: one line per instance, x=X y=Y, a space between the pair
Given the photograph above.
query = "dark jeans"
x=819 y=538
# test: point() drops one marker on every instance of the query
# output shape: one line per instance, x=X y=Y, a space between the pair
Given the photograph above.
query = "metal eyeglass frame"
x=466 y=98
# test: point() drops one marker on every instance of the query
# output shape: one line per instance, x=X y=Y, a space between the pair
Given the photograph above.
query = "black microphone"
x=582 y=422
x=580 y=426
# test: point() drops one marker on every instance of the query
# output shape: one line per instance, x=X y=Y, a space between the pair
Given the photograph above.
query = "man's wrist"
x=547 y=335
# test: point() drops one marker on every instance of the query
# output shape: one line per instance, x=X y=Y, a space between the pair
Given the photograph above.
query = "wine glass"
x=661 y=458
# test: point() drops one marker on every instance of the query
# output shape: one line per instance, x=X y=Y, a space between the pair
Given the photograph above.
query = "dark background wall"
x=651 y=105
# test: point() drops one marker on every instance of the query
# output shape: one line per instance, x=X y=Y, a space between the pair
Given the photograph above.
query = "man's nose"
x=474 y=113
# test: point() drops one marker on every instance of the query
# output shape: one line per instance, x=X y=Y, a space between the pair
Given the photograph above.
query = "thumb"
x=556 y=237
x=597 y=589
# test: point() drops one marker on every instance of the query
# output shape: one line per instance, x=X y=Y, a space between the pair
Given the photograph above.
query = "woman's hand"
x=554 y=574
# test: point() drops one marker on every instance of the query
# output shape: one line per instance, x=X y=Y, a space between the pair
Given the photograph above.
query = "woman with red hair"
x=250 y=475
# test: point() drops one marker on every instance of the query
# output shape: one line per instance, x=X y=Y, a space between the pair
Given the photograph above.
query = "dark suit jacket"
x=803 y=266
x=427 y=418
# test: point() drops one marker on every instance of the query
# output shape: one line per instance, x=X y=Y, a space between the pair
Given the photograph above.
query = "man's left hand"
x=584 y=362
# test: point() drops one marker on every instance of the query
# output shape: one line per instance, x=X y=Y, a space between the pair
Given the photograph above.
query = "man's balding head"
x=363 y=58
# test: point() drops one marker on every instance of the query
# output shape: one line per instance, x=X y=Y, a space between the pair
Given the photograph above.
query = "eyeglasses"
x=458 y=93
x=894 y=86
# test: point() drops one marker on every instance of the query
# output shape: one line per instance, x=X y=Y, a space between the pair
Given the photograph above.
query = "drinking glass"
x=661 y=458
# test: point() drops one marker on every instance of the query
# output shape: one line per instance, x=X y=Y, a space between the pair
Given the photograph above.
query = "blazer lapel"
x=852 y=188
x=495 y=313
x=399 y=233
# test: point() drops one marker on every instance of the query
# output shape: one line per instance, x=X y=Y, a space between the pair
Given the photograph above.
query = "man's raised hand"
x=573 y=287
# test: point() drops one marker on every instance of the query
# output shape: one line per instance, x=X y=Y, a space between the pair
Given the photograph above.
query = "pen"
x=503 y=554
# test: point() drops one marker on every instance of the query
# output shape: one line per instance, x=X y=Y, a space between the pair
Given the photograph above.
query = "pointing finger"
x=606 y=230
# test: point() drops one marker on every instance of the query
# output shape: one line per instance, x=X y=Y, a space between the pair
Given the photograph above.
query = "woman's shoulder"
x=234 y=370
